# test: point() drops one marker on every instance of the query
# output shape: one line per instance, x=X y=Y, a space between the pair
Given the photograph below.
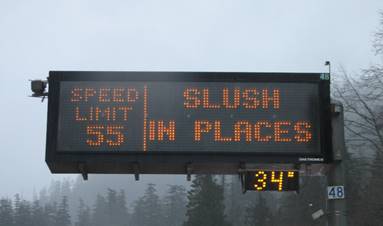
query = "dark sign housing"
x=160 y=122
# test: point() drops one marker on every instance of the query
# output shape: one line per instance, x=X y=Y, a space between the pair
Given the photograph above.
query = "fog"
x=253 y=36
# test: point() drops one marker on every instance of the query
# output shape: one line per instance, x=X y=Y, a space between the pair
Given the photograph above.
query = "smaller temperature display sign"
x=272 y=180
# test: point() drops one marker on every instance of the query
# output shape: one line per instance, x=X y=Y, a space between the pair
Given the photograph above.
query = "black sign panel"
x=275 y=180
x=170 y=119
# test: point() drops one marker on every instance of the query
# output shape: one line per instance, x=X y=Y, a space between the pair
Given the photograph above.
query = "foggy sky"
x=254 y=36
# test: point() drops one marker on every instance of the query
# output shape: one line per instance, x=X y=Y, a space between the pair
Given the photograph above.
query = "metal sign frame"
x=176 y=162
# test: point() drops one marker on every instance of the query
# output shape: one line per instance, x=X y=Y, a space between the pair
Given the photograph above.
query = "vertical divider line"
x=145 y=116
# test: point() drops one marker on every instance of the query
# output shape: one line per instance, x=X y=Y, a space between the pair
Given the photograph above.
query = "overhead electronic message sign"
x=161 y=121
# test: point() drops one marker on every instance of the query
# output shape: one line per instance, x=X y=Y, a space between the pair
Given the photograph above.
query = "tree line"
x=20 y=212
x=219 y=201
x=108 y=209
x=111 y=208
x=210 y=200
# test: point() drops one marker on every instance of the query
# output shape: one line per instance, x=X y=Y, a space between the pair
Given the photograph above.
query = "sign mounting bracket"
x=188 y=171
x=136 y=169
x=82 y=169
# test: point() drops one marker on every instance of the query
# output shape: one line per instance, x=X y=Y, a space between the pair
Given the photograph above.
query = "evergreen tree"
x=6 y=212
x=258 y=213
x=148 y=209
x=138 y=216
x=62 y=216
x=122 y=210
x=100 y=210
x=235 y=200
x=17 y=209
x=153 y=206
x=83 y=218
x=175 y=205
x=206 y=203
x=22 y=216
x=50 y=212
x=115 y=215
x=43 y=197
x=112 y=210
x=65 y=188
x=38 y=218
x=55 y=192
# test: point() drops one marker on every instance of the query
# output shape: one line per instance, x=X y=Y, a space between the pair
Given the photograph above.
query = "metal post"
x=337 y=207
